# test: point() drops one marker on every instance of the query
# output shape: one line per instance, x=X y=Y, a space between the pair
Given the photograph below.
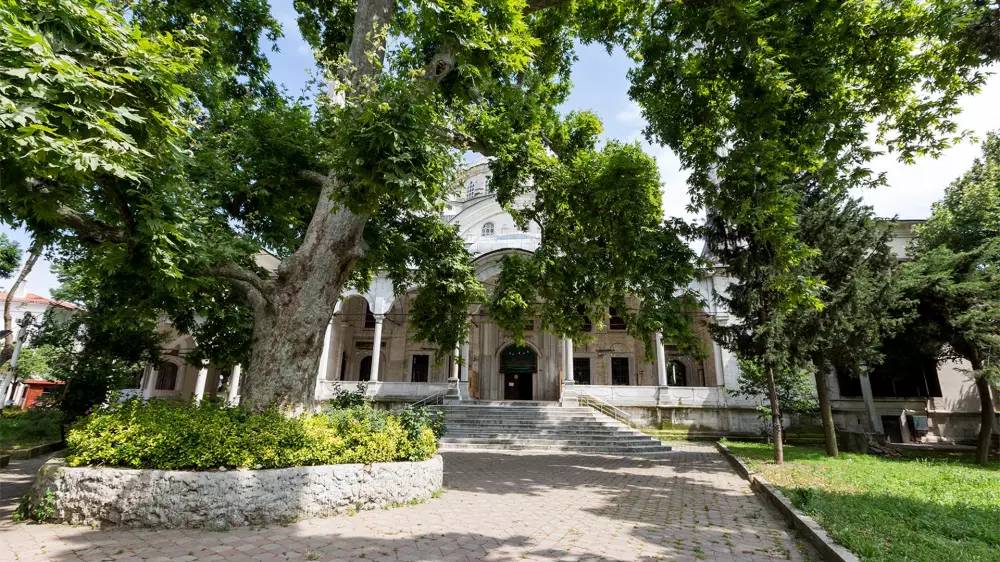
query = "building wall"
x=351 y=342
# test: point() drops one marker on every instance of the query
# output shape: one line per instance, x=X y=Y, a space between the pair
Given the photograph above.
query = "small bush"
x=173 y=435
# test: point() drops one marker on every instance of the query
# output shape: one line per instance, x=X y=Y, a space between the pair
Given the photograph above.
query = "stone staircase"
x=541 y=426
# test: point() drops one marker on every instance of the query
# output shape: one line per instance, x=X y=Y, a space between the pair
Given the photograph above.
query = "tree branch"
x=88 y=228
x=536 y=5
x=315 y=177
x=462 y=141
x=234 y=272
x=441 y=65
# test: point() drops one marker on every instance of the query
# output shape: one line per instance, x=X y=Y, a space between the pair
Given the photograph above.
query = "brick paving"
x=495 y=506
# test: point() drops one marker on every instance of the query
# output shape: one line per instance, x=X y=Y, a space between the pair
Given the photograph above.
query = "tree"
x=10 y=256
x=180 y=181
x=955 y=278
x=755 y=95
x=759 y=97
x=758 y=300
x=859 y=305
x=159 y=186
x=959 y=297
x=94 y=355
x=36 y=362
x=792 y=388
x=8 y=323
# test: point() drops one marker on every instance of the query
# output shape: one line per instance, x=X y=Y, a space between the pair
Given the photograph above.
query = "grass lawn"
x=916 y=508
x=37 y=426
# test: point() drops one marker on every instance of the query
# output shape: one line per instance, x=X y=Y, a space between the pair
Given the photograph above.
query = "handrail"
x=432 y=400
x=607 y=409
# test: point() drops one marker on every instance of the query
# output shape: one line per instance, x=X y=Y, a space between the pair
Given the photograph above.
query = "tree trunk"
x=825 y=408
x=289 y=328
x=776 y=429
x=986 y=415
x=292 y=312
x=8 y=322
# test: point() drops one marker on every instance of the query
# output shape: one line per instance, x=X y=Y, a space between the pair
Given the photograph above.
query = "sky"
x=600 y=85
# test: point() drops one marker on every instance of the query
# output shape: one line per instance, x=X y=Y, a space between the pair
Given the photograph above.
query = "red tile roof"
x=32 y=297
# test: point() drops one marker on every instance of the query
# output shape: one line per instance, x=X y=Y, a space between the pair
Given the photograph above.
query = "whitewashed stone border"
x=220 y=500
x=813 y=532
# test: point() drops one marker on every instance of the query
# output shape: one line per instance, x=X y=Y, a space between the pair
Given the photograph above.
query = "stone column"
x=455 y=357
x=338 y=354
x=463 y=373
x=150 y=386
x=874 y=421
x=568 y=361
x=199 y=383
x=454 y=394
x=661 y=362
x=234 y=385
x=324 y=357
x=377 y=346
x=570 y=396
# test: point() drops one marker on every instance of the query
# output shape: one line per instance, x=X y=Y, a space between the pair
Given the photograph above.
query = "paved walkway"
x=501 y=507
x=15 y=480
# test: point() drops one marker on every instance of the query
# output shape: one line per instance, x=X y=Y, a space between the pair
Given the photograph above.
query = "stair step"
x=541 y=427
x=560 y=435
x=651 y=452
x=532 y=441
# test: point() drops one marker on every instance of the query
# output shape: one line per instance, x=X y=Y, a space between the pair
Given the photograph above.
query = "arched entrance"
x=518 y=365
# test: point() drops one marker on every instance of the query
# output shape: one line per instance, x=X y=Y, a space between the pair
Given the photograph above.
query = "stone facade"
x=369 y=338
x=219 y=500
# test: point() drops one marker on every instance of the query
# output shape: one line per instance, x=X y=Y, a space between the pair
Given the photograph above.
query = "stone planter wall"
x=219 y=500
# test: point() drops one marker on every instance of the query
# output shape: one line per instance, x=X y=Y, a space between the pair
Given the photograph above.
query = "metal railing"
x=608 y=410
x=432 y=400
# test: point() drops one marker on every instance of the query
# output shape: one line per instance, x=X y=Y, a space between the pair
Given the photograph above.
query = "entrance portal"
x=518 y=365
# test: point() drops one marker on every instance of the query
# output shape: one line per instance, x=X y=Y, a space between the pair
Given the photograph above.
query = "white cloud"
x=630 y=115
x=913 y=188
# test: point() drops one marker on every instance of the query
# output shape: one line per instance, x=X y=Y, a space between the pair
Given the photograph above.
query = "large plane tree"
x=145 y=140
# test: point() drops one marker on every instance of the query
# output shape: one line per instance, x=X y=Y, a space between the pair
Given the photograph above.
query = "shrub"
x=173 y=435
x=33 y=426
x=343 y=398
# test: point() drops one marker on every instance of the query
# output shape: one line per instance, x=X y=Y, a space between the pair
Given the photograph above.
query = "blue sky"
x=600 y=85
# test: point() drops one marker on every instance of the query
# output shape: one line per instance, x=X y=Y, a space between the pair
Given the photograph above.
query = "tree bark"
x=291 y=316
x=289 y=328
x=776 y=429
x=825 y=408
x=8 y=322
x=987 y=415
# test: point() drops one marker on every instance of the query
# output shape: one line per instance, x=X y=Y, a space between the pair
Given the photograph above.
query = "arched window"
x=166 y=378
x=676 y=374
x=488 y=229
x=365 y=370
x=470 y=189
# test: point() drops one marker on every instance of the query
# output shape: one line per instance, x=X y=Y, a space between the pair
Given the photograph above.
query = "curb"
x=814 y=533
x=23 y=454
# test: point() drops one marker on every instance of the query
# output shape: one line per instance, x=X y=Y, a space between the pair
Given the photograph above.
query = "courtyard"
x=495 y=506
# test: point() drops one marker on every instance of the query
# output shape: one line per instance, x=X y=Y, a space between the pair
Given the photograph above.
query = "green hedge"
x=174 y=435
